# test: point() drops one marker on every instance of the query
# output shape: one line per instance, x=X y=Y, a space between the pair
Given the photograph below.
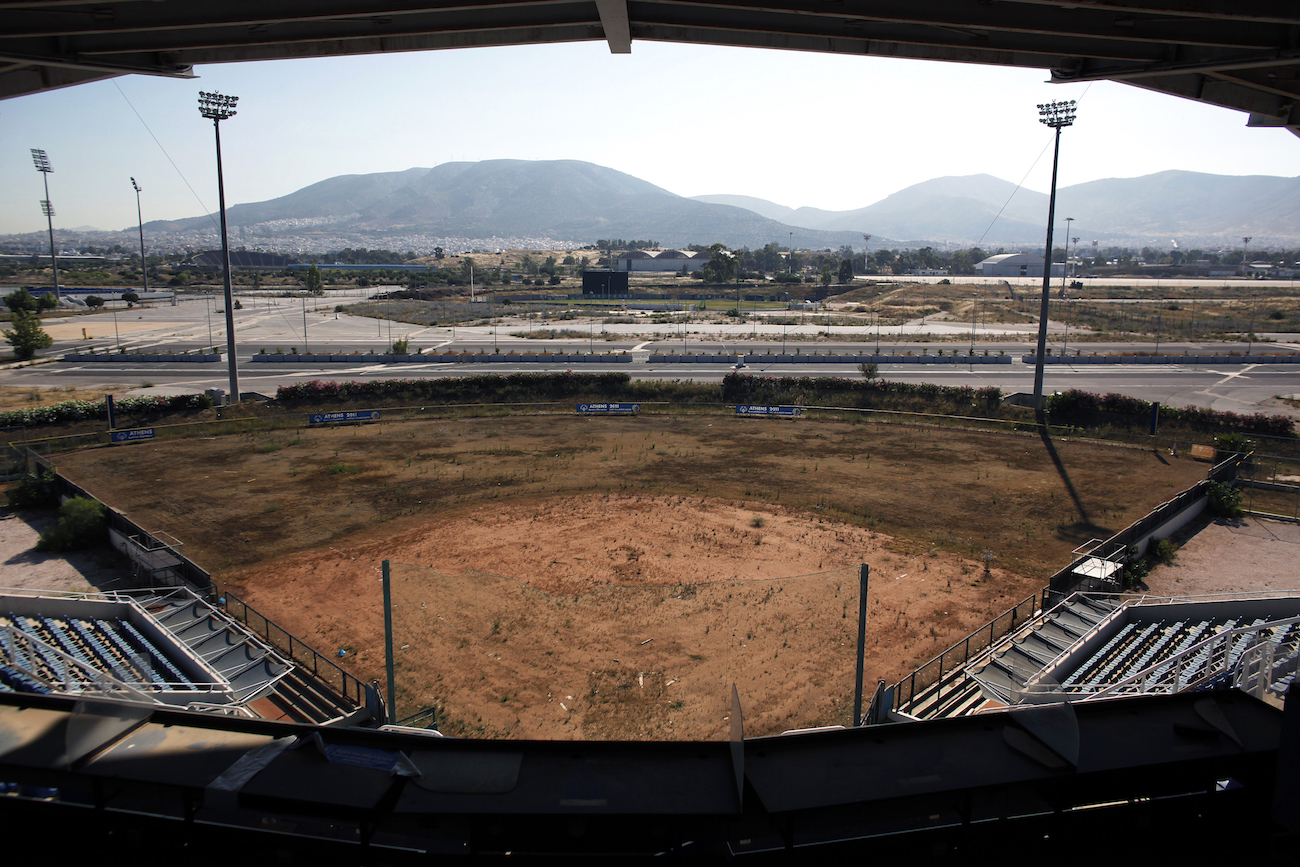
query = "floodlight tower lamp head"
x=41 y=161
x=47 y=209
x=216 y=106
x=1057 y=114
x=135 y=185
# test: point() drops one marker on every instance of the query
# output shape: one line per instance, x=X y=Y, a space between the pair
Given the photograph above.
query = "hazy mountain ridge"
x=580 y=202
x=564 y=199
x=1191 y=207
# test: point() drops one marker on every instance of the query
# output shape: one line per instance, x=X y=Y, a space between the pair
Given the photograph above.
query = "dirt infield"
x=298 y=522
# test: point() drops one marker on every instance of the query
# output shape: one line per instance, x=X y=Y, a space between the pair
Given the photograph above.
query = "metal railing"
x=1203 y=661
x=322 y=668
x=928 y=680
x=1270 y=486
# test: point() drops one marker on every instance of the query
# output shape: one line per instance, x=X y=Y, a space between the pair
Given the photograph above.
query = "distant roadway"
x=279 y=324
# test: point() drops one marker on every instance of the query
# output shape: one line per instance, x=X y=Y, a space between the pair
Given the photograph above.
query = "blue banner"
x=597 y=408
x=129 y=436
x=777 y=411
x=329 y=417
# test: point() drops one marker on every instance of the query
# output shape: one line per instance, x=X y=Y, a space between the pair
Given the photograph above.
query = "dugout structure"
x=492 y=656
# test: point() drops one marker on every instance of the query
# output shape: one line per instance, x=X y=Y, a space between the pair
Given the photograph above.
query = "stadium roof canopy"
x=1240 y=54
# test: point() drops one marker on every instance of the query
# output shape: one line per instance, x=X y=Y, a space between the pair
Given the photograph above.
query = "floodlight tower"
x=217 y=107
x=1245 y=257
x=866 y=257
x=43 y=166
x=144 y=274
x=1057 y=115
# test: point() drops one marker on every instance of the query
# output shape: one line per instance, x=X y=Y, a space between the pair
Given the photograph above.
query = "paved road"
x=279 y=323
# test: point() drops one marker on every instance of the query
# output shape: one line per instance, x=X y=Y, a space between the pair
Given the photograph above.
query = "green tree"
x=83 y=523
x=722 y=265
x=827 y=275
x=21 y=299
x=27 y=336
x=314 y=284
x=94 y=302
x=130 y=298
x=846 y=271
x=47 y=302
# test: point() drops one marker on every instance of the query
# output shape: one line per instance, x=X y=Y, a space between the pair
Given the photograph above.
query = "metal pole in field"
x=304 y=325
x=217 y=108
x=863 y=571
x=388 y=648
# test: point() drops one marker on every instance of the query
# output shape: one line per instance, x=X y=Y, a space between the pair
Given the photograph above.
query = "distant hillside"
x=579 y=202
x=563 y=199
x=1190 y=207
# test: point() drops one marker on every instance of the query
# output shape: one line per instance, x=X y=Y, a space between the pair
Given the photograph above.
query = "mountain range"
x=581 y=202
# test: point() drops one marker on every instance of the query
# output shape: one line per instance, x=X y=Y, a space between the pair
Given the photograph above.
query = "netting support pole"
x=863 y=571
x=388 y=648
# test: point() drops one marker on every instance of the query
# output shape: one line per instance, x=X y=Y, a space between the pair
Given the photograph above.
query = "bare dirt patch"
x=298 y=523
x=1230 y=556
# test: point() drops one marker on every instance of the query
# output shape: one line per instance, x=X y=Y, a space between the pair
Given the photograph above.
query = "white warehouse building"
x=663 y=260
x=1016 y=265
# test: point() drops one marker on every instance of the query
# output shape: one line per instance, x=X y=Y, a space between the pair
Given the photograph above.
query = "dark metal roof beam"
x=147 y=65
x=243 y=50
x=703 y=25
x=1093 y=71
x=1221 y=93
x=238 y=35
x=134 y=18
x=1270 y=11
x=613 y=20
x=972 y=20
x=823 y=44
x=37 y=79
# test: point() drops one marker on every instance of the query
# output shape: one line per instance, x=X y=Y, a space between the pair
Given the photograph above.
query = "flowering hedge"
x=83 y=410
x=515 y=387
x=1087 y=409
x=747 y=388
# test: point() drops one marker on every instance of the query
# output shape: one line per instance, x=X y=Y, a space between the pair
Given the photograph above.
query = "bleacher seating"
x=1062 y=654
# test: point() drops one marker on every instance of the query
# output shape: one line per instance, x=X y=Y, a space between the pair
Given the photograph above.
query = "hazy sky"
x=827 y=131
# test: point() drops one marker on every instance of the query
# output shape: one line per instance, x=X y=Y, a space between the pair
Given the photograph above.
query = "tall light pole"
x=1245 y=255
x=217 y=108
x=144 y=273
x=43 y=166
x=866 y=257
x=1057 y=115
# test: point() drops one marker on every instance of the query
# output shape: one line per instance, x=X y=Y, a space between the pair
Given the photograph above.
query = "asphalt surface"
x=277 y=323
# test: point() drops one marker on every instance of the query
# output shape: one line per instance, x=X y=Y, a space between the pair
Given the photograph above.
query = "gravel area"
x=23 y=567
x=1227 y=556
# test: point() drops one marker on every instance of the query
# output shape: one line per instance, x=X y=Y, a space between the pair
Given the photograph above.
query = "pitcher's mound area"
x=608 y=616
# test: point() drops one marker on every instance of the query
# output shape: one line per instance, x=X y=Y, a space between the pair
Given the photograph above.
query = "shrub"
x=1224 y=500
x=35 y=492
x=83 y=523
x=1165 y=551
x=1136 y=569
